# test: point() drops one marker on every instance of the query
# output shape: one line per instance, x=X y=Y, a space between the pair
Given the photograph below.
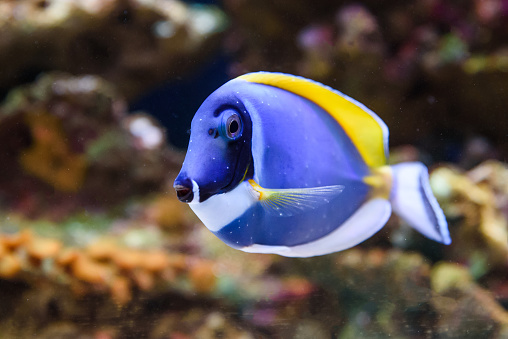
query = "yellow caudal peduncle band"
x=367 y=131
x=381 y=181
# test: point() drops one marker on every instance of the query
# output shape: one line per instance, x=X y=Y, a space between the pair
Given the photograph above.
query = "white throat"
x=221 y=209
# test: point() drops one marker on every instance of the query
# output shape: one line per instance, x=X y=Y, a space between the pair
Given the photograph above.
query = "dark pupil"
x=233 y=127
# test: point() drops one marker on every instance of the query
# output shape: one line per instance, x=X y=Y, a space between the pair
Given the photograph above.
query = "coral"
x=199 y=324
x=396 y=294
x=476 y=201
x=49 y=157
x=467 y=310
x=94 y=243
x=149 y=276
x=110 y=279
x=135 y=44
x=103 y=266
x=64 y=137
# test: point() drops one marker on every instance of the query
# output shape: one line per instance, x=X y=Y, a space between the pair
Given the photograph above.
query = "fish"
x=281 y=164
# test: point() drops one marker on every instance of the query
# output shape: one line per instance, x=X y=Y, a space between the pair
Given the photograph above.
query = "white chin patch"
x=221 y=209
x=195 y=191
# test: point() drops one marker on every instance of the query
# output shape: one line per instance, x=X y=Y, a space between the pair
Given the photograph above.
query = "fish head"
x=219 y=152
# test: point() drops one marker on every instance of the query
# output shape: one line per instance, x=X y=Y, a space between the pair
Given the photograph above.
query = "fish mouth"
x=184 y=193
x=185 y=188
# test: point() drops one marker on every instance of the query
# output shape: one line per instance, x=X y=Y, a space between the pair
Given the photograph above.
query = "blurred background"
x=96 y=103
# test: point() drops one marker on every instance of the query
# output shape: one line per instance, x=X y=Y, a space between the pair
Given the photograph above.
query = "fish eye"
x=231 y=125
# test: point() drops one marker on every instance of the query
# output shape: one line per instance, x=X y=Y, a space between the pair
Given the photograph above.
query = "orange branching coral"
x=10 y=265
x=49 y=158
x=88 y=270
x=102 y=266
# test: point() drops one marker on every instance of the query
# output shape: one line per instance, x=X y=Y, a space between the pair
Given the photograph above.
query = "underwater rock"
x=135 y=44
x=364 y=292
x=466 y=310
x=476 y=203
x=94 y=244
x=149 y=286
x=63 y=138
x=67 y=289
x=389 y=293
x=52 y=312
x=199 y=324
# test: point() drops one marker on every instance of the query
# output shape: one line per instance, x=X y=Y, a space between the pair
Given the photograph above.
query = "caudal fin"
x=413 y=200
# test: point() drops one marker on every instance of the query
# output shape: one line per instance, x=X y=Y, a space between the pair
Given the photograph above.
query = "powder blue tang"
x=282 y=164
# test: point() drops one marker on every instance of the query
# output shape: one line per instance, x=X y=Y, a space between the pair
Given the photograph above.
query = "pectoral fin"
x=288 y=202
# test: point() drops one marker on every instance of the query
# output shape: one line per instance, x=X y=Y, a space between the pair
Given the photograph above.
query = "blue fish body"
x=281 y=164
x=299 y=145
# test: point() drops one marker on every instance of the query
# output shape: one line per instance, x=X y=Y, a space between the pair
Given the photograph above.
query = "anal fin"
x=363 y=224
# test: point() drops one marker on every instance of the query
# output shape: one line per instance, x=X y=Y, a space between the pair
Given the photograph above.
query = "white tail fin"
x=413 y=200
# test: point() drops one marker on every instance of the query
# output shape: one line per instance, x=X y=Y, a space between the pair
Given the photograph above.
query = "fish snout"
x=184 y=189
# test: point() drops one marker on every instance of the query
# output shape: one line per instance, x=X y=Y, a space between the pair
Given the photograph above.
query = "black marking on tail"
x=428 y=205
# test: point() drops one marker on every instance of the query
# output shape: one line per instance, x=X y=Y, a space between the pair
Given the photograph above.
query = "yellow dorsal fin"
x=367 y=131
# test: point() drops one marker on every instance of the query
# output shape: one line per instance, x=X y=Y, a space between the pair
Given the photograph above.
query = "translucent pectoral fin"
x=288 y=202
